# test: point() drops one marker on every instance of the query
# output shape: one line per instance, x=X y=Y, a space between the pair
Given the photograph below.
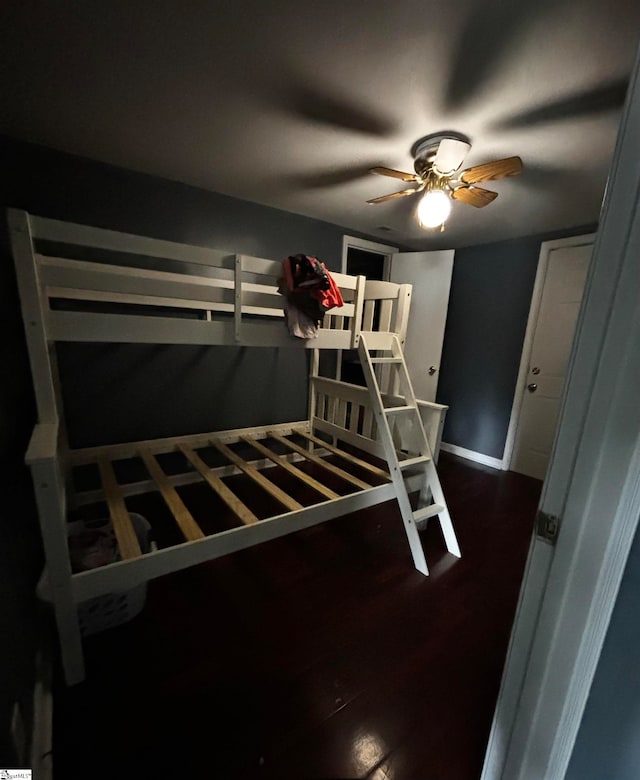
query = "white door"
x=562 y=288
x=430 y=275
x=592 y=487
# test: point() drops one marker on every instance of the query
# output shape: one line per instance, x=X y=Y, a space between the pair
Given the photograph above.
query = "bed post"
x=43 y=453
x=50 y=499
x=237 y=305
x=358 y=303
x=402 y=312
x=399 y=326
x=32 y=314
x=314 y=364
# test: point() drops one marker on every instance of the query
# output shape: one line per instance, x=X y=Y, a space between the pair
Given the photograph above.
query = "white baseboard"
x=478 y=457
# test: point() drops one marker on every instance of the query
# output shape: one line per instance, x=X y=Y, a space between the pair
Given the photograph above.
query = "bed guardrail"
x=94 y=284
x=343 y=412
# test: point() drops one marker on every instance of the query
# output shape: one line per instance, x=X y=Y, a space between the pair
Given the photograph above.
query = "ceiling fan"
x=438 y=159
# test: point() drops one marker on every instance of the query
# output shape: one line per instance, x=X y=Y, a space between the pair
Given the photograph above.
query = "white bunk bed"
x=130 y=293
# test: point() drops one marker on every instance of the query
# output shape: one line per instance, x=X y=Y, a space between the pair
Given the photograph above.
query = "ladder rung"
x=408 y=462
x=427 y=511
x=386 y=360
x=398 y=409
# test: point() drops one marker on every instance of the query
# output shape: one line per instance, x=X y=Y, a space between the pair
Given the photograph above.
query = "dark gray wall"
x=124 y=392
x=489 y=303
x=608 y=743
x=150 y=391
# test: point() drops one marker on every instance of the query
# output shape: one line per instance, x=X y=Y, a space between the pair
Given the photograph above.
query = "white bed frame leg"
x=66 y=614
x=50 y=498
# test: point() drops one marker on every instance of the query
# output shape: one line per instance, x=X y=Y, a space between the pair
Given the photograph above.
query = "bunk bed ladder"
x=406 y=446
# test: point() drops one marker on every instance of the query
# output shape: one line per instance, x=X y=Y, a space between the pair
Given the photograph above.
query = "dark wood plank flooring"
x=320 y=655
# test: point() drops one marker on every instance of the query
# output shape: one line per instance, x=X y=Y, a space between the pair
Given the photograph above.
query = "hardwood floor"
x=320 y=655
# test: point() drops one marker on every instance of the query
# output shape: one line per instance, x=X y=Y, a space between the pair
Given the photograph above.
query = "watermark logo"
x=14 y=774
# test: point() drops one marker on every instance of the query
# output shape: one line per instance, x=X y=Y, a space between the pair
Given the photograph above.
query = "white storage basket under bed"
x=112 y=609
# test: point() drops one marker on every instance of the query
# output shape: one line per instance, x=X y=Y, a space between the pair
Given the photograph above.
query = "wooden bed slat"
x=308 y=480
x=125 y=534
x=321 y=461
x=286 y=500
x=346 y=455
x=190 y=529
x=239 y=509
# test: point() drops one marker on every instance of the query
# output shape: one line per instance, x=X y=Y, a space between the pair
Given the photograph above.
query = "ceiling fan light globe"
x=450 y=156
x=434 y=209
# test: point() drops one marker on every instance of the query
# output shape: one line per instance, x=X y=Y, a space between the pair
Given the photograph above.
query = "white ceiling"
x=289 y=102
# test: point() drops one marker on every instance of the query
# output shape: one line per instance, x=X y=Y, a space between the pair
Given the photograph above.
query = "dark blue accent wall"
x=608 y=743
x=123 y=392
x=491 y=290
x=127 y=392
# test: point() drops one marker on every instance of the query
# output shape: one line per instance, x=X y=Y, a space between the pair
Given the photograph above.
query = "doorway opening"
x=361 y=258
x=366 y=258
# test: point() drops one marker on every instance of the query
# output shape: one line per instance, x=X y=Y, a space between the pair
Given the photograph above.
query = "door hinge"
x=547 y=526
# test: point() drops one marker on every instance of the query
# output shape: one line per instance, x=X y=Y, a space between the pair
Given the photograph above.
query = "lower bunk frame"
x=52 y=471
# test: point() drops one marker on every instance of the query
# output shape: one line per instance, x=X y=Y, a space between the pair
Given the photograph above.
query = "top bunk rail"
x=94 y=284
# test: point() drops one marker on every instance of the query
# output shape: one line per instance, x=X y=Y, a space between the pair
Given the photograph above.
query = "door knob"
x=432 y=370
x=532 y=387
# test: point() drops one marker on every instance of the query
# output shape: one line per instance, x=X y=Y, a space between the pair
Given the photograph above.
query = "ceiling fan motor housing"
x=426 y=150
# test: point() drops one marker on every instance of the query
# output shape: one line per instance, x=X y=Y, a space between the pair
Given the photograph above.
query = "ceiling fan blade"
x=450 y=156
x=395 y=174
x=393 y=195
x=474 y=196
x=497 y=169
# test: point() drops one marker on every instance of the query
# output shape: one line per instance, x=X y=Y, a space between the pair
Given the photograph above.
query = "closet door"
x=562 y=275
x=430 y=275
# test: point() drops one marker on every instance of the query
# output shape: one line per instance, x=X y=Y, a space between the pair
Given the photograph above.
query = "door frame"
x=532 y=322
x=566 y=603
x=369 y=246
